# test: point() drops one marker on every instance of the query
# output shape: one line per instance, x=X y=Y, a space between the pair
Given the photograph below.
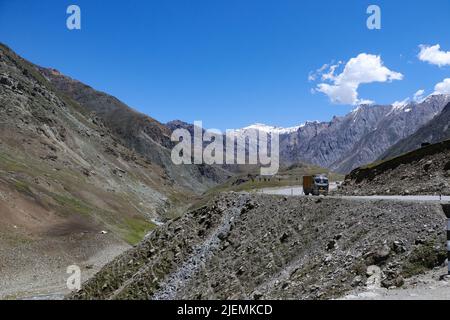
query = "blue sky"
x=229 y=63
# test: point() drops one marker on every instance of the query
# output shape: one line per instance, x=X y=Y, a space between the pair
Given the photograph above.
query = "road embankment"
x=256 y=246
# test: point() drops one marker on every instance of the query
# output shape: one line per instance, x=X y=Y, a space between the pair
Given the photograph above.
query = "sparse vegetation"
x=72 y=205
x=136 y=228
x=423 y=258
x=23 y=187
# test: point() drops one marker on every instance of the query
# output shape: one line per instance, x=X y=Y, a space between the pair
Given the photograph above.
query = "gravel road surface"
x=298 y=191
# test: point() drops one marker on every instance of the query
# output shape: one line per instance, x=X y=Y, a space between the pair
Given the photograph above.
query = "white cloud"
x=365 y=68
x=418 y=96
x=443 y=87
x=434 y=55
x=341 y=94
x=314 y=74
x=321 y=74
x=330 y=76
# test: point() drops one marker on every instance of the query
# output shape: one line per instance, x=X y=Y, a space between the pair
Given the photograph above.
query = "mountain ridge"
x=139 y=132
x=357 y=138
x=433 y=132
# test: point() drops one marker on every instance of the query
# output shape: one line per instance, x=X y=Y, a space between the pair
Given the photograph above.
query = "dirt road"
x=298 y=191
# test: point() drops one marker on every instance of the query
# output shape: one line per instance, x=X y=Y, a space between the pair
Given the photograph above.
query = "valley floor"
x=26 y=273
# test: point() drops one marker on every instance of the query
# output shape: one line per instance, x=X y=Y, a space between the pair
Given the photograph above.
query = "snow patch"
x=271 y=129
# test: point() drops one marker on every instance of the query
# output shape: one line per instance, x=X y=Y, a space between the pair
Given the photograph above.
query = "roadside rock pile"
x=243 y=246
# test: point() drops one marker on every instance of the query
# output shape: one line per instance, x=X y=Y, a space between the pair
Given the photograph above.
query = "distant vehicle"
x=316 y=185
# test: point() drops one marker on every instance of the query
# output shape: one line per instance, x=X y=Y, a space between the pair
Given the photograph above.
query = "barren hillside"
x=243 y=246
x=66 y=176
x=425 y=171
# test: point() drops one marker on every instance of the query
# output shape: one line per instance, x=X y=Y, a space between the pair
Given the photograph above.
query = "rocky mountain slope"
x=425 y=171
x=80 y=173
x=360 y=137
x=139 y=132
x=437 y=130
x=55 y=154
x=243 y=246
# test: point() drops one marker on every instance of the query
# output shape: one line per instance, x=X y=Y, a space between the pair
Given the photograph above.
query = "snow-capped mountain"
x=274 y=129
x=437 y=130
x=358 y=138
x=270 y=129
x=361 y=136
x=347 y=142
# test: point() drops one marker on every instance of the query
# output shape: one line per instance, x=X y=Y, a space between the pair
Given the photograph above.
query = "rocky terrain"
x=429 y=286
x=83 y=177
x=437 y=130
x=243 y=246
x=425 y=171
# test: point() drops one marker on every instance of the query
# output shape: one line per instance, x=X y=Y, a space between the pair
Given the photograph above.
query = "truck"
x=316 y=185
